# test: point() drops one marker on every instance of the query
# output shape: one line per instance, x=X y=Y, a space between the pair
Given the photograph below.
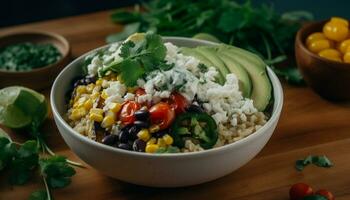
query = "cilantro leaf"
x=131 y=71
x=139 y=58
x=125 y=49
x=320 y=161
x=38 y=195
x=7 y=152
x=24 y=162
x=56 y=171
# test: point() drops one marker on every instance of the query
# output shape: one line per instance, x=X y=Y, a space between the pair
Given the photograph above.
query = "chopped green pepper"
x=197 y=126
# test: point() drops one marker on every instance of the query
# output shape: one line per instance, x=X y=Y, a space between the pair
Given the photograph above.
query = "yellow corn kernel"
x=99 y=82
x=90 y=87
x=77 y=113
x=152 y=141
x=151 y=148
x=96 y=117
x=108 y=121
x=104 y=94
x=97 y=111
x=119 y=78
x=144 y=135
x=81 y=89
x=94 y=95
x=153 y=128
x=161 y=142
x=168 y=139
x=88 y=104
x=115 y=107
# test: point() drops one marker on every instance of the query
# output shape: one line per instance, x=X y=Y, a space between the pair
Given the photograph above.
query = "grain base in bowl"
x=141 y=112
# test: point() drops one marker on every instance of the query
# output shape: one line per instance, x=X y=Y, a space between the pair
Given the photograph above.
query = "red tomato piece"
x=126 y=115
x=299 y=190
x=162 y=114
x=325 y=193
x=178 y=102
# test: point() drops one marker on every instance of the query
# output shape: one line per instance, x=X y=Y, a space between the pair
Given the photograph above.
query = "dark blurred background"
x=13 y=12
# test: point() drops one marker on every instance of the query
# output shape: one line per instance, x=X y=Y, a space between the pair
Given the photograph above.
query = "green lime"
x=207 y=37
x=20 y=107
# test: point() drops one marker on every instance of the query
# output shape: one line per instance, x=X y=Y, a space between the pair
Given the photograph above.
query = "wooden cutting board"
x=308 y=125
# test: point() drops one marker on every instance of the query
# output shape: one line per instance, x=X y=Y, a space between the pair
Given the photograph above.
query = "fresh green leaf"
x=125 y=49
x=231 y=22
x=315 y=197
x=139 y=58
x=24 y=162
x=123 y=16
x=320 y=161
x=291 y=74
x=56 y=171
x=7 y=152
x=38 y=195
x=131 y=71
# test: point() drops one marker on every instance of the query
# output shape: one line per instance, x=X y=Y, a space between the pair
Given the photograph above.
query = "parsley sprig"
x=24 y=160
x=139 y=59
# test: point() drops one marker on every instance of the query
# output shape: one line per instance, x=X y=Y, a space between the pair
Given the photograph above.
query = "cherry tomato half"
x=299 y=190
x=326 y=194
x=178 y=102
x=162 y=114
x=126 y=115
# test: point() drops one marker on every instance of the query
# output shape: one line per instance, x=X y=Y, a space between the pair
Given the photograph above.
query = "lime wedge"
x=207 y=37
x=20 y=107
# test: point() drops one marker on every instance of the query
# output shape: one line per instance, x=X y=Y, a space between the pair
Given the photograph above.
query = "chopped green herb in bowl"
x=27 y=56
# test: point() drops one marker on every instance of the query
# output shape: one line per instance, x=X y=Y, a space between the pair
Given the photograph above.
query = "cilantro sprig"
x=23 y=161
x=139 y=58
x=320 y=161
x=257 y=28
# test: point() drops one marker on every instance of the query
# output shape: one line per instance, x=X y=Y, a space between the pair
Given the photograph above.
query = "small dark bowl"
x=328 y=78
x=39 y=78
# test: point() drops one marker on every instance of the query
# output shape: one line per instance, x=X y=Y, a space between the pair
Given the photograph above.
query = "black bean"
x=126 y=128
x=123 y=136
x=142 y=115
x=125 y=146
x=110 y=139
x=141 y=124
x=194 y=108
x=160 y=133
x=139 y=145
x=133 y=133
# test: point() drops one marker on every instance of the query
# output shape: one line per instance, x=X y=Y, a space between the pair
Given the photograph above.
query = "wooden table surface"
x=308 y=125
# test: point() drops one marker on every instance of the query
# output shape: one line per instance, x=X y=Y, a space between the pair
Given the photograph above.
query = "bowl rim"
x=277 y=105
x=58 y=37
x=301 y=43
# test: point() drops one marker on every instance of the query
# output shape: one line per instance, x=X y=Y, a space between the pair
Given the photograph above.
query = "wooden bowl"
x=328 y=78
x=39 y=78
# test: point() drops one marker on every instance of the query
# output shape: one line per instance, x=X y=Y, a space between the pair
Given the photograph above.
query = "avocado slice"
x=203 y=59
x=256 y=68
x=210 y=54
x=235 y=67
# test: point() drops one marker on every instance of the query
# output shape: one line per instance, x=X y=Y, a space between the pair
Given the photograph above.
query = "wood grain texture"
x=308 y=125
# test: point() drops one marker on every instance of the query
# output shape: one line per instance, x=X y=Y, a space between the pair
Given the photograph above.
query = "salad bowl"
x=161 y=170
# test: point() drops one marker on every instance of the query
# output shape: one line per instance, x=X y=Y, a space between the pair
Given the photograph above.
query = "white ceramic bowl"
x=161 y=170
